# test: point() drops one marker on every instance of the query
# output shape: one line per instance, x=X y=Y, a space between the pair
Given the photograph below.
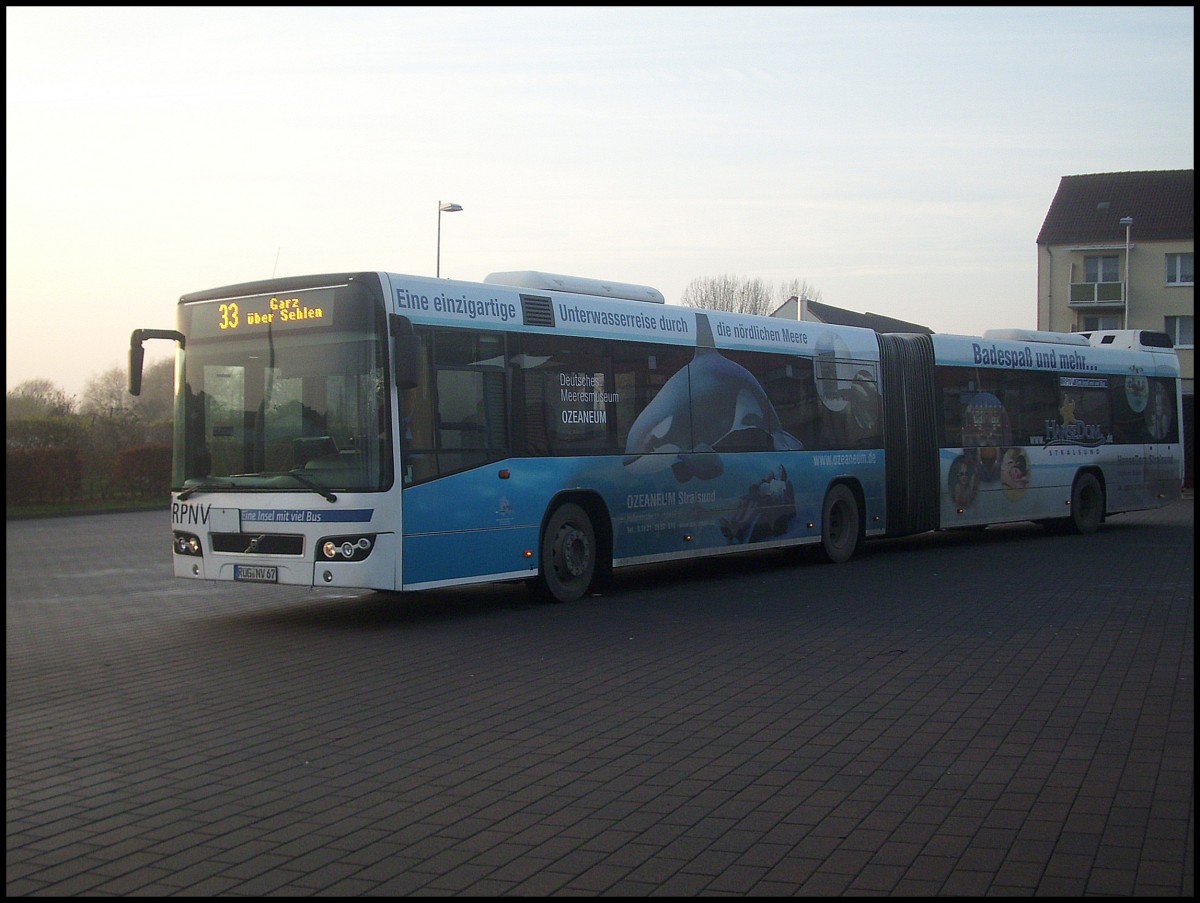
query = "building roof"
x=1089 y=208
x=827 y=313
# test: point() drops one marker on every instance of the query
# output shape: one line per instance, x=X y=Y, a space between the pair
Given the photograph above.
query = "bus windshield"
x=268 y=403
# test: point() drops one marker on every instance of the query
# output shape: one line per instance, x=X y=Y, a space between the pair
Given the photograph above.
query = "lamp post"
x=1127 y=222
x=443 y=208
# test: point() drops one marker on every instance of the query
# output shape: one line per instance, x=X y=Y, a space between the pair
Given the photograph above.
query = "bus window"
x=419 y=459
x=789 y=387
x=565 y=396
x=1142 y=409
x=1159 y=416
x=1026 y=398
x=1084 y=413
x=640 y=372
x=1036 y=403
x=974 y=416
x=458 y=418
x=471 y=411
x=953 y=383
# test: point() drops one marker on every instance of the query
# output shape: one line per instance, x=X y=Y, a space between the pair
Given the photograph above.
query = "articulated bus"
x=389 y=432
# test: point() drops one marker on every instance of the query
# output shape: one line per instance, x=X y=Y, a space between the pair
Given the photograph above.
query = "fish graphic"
x=712 y=405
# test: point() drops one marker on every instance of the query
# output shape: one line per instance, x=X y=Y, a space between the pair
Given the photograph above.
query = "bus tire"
x=568 y=555
x=1087 y=505
x=841 y=524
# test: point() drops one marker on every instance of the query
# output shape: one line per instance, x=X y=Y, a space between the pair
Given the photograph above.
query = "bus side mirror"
x=407 y=350
x=136 y=355
x=408 y=362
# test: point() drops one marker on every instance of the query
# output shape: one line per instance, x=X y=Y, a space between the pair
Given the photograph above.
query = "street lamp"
x=1127 y=222
x=445 y=208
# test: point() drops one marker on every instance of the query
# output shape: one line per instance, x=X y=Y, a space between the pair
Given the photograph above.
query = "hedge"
x=36 y=476
x=143 y=471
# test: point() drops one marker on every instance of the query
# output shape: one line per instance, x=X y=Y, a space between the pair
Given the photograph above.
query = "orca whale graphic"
x=712 y=405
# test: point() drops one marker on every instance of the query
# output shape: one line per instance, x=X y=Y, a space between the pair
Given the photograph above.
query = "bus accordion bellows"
x=380 y=431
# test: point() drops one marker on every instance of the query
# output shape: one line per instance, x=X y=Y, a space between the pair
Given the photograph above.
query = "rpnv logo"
x=186 y=515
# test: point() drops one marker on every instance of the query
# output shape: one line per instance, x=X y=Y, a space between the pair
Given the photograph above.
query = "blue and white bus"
x=391 y=432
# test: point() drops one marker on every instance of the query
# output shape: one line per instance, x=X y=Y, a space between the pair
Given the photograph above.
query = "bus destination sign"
x=253 y=314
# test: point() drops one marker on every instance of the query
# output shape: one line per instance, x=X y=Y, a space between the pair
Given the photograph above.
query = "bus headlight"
x=187 y=544
x=345 y=548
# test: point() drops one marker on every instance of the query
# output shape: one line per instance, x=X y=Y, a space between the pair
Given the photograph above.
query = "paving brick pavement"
x=1003 y=713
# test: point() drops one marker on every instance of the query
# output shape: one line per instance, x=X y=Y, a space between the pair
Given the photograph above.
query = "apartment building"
x=1117 y=250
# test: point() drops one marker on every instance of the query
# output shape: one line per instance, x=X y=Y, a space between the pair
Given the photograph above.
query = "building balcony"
x=1097 y=294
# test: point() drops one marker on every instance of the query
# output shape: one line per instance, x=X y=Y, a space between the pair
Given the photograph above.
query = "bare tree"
x=107 y=394
x=37 y=398
x=729 y=294
x=733 y=294
x=800 y=289
x=157 y=401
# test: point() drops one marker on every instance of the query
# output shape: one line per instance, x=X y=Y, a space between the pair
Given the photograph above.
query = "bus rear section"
x=1064 y=429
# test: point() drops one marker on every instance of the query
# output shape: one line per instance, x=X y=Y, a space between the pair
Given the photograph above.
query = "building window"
x=1099 y=324
x=1101 y=269
x=1181 y=269
x=1181 y=330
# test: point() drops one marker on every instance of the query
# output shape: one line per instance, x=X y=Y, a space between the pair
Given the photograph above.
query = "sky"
x=899 y=161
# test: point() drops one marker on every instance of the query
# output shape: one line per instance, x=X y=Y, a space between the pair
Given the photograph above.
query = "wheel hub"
x=575 y=552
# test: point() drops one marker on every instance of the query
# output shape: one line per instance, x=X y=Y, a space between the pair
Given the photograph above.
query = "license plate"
x=250 y=573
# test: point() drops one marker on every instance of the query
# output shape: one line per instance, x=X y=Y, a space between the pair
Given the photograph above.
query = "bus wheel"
x=840 y=524
x=568 y=555
x=1087 y=505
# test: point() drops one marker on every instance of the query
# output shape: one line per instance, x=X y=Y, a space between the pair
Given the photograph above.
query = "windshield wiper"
x=307 y=482
x=313 y=485
x=205 y=485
